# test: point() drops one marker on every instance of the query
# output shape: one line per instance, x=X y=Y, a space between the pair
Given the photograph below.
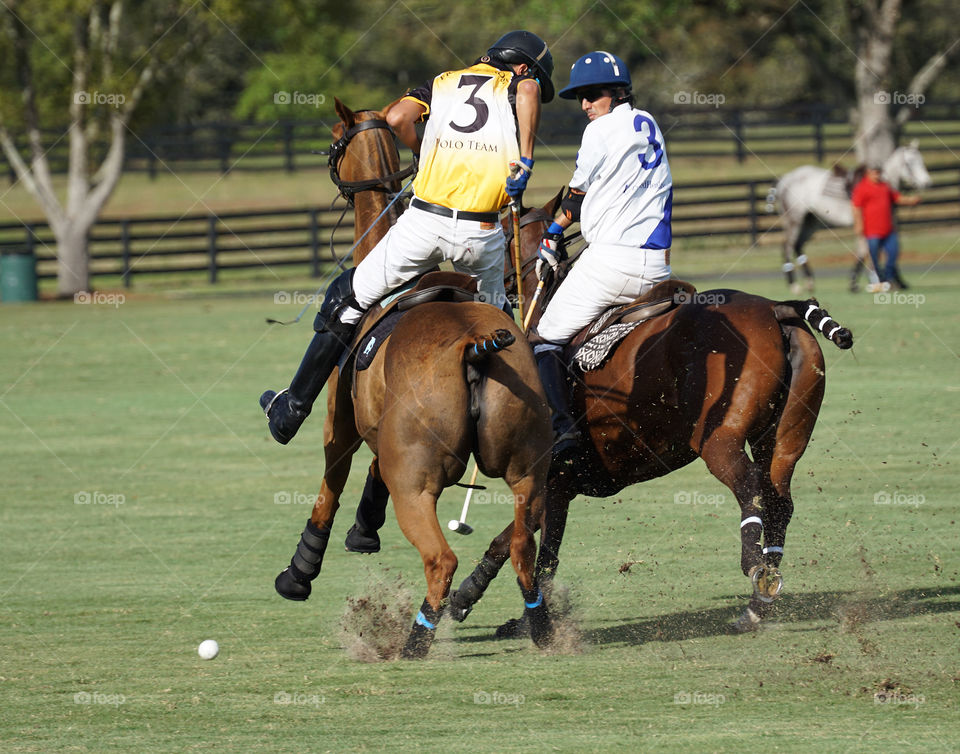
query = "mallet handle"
x=466 y=503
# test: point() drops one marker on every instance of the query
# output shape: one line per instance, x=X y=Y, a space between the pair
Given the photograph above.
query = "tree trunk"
x=874 y=23
x=73 y=255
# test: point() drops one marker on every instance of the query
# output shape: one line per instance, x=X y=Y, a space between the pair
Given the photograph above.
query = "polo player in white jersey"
x=622 y=195
x=479 y=121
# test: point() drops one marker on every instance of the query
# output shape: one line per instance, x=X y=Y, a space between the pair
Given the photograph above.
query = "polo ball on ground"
x=208 y=649
x=453 y=524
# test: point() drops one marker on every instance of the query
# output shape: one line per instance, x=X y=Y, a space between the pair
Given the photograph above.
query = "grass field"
x=147 y=509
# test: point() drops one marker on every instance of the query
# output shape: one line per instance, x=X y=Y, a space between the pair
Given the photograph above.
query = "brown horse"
x=720 y=371
x=430 y=398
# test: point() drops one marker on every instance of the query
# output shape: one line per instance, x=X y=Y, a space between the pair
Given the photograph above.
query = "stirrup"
x=266 y=409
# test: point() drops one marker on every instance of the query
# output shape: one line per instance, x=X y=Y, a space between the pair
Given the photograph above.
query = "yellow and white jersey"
x=470 y=138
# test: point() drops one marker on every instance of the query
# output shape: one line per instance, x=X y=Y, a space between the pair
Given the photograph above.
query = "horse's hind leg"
x=417 y=516
x=471 y=589
x=806 y=232
x=340 y=443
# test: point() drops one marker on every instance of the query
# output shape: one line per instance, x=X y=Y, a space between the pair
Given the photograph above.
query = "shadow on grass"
x=845 y=608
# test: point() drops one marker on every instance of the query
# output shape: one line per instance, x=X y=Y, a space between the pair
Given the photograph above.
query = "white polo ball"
x=208 y=649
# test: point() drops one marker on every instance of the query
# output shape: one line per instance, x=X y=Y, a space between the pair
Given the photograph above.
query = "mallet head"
x=460 y=527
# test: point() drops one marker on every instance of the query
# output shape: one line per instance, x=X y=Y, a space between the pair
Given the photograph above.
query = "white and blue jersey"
x=622 y=168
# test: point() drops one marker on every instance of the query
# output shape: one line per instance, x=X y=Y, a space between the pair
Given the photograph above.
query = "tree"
x=93 y=60
x=874 y=24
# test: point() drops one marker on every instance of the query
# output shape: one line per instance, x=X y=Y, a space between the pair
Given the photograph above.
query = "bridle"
x=348 y=189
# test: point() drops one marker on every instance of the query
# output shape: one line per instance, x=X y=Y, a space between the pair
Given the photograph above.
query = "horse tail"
x=771 y=204
x=481 y=348
x=811 y=311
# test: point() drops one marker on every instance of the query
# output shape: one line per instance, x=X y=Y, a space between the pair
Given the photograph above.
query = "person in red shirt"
x=873 y=201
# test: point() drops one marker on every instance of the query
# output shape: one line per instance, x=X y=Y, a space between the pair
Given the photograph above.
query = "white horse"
x=812 y=197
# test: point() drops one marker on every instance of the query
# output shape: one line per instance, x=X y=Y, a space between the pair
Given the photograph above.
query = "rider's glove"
x=551 y=251
x=519 y=175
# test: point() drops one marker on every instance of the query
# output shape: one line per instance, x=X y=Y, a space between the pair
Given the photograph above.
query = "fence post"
x=31 y=237
x=818 y=134
x=212 y=246
x=738 y=136
x=288 y=147
x=225 y=145
x=314 y=245
x=125 y=241
x=752 y=204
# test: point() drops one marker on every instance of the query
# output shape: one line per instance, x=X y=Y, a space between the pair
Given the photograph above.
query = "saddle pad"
x=595 y=351
x=370 y=343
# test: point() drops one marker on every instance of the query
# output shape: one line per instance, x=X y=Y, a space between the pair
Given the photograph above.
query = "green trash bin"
x=18 y=275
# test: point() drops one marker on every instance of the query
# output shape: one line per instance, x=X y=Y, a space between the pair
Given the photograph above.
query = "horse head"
x=364 y=165
x=906 y=165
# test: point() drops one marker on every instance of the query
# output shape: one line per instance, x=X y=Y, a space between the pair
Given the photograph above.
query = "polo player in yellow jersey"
x=479 y=121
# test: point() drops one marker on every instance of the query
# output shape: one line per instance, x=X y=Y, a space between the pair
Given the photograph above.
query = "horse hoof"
x=291 y=589
x=541 y=627
x=418 y=643
x=747 y=622
x=795 y=289
x=515 y=628
x=767 y=583
x=457 y=611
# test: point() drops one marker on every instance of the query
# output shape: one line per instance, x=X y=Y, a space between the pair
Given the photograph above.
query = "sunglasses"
x=591 y=95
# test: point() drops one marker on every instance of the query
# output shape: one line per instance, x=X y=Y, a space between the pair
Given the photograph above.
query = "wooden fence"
x=214 y=243
x=810 y=131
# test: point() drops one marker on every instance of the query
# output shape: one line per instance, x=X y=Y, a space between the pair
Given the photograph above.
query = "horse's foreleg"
x=523 y=550
x=791 y=233
x=417 y=516
x=340 y=443
x=806 y=232
x=471 y=589
x=554 y=523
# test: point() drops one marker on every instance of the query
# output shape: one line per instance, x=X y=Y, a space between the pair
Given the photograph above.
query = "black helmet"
x=526 y=47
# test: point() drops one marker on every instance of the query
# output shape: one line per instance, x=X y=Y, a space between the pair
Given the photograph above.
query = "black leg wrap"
x=371 y=516
x=421 y=636
x=294 y=582
x=471 y=589
x=536 y=613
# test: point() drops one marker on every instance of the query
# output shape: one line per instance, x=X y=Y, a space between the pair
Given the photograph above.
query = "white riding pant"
x=603 y=276
x=418 y=241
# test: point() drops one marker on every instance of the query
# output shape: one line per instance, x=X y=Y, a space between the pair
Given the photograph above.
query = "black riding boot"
x=553 y=375
x=287 y=409
x=899 y=281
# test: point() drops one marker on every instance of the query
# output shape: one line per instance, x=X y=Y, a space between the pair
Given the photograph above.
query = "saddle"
x=592 y=346
x=382 y=318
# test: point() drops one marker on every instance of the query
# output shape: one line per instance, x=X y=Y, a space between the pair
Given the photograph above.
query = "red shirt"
x=876 y=201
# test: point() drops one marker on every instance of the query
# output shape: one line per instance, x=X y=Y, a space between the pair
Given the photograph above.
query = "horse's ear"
x=346 y=114
x=554 y=204
x=915 y=144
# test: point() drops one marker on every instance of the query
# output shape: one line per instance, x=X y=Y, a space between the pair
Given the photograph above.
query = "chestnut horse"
x=722 y=370
x=427 y=401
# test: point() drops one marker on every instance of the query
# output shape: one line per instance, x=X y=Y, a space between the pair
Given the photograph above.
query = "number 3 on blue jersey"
x=651 y=132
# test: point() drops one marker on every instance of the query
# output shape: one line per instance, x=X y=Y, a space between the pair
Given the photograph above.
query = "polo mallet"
x=461 y=526
x=517 y=262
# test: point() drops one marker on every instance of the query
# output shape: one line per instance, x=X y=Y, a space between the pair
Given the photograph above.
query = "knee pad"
x=339 y=296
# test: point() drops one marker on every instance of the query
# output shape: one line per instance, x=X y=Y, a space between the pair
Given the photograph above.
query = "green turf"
x=152 y=402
